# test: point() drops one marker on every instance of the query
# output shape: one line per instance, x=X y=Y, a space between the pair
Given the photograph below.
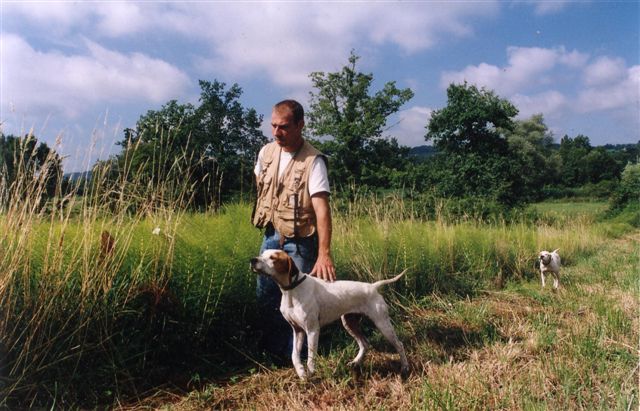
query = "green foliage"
x=25 y=164
x=583 y=164
x=471 y=121
x=216 y=143
x=343 y=109
x=537 y=164
x=475 y=158
x=628 y=191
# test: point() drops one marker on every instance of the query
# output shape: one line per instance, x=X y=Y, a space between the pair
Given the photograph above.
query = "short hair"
x=293 y=106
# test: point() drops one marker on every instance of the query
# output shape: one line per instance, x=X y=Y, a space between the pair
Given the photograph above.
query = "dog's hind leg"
x=351 y=323
x=556 y=280
x=381 y=319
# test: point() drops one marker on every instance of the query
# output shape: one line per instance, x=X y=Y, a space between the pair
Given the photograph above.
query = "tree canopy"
x=343 y=109
x=212 y=146
x=28 y=167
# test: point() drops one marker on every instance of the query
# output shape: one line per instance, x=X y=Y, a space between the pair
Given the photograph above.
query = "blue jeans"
x=277 y=335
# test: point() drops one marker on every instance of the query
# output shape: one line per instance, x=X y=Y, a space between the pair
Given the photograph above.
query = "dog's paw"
x=404 y=372
x=353 y=364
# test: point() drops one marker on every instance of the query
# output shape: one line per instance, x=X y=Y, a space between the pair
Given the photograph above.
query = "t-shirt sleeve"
x=319 y=178
x=258 y=167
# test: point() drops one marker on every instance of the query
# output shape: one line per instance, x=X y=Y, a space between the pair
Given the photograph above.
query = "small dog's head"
x=275 y=264
x=545 y=256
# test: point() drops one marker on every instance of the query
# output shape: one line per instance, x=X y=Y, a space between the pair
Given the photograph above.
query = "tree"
x=474 y=158
x=471 y=121
x=343 y=109
x=573 y=152
x=28 y=169
x=212 y=146
x=628 y=191
x=531 y=144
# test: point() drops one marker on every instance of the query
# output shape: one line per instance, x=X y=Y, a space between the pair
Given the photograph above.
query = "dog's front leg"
x=313 y=335
x=542 y=275
x=298 y=342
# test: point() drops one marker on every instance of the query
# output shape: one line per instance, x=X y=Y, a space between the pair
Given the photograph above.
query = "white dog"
x=550 y=263
x=309 y=303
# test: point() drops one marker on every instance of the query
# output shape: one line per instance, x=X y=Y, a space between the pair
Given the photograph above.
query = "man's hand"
x=324 y=268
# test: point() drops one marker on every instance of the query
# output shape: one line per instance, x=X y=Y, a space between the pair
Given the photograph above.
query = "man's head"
x=287 y=121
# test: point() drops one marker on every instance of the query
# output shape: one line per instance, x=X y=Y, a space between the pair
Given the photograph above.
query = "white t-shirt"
x=318 y=178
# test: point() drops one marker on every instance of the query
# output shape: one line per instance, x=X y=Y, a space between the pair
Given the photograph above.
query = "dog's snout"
x=254 y=261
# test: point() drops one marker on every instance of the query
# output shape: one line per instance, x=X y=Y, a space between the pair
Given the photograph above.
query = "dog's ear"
x=294 y=268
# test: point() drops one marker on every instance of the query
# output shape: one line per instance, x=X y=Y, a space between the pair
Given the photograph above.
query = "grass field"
x=521 y=347
x=156 y=308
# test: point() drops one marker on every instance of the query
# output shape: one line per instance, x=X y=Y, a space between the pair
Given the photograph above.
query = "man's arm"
x=323 y=268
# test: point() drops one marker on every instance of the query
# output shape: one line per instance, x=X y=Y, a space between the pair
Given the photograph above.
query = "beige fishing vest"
x=277 y=200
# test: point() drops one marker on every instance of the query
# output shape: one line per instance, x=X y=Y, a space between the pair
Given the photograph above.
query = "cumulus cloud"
x=527 y=67
x=551 y=103
x=611 y=89
x=284 y=42
x=55 y=82
x=605 y=70
x=530 y=78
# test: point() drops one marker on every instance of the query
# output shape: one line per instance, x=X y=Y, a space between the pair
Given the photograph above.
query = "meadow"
x=104 y=303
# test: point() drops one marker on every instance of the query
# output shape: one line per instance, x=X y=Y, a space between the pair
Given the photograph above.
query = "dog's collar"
x=294 y=277
x=295 y=283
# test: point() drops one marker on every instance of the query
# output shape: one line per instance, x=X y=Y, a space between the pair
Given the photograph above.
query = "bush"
x=628 y=191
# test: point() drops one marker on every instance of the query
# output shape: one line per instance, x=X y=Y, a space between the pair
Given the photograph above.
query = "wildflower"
x=156 y=231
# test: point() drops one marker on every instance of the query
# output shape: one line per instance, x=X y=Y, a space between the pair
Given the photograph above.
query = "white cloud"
x=551 y=103
x=286 y=41
x=36 y=81
x=605 y=70
x=527 y=67
x=606 y=95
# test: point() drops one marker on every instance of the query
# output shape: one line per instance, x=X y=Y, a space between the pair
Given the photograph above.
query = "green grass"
x=83 y=327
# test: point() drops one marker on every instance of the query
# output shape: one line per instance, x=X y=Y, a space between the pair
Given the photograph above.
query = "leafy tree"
x=211 y=146
x=628 y=191
x=475 y=159
x=28 y=169
x=344 y=110
x=531 y=145
x=471 y=121
x=573 y=152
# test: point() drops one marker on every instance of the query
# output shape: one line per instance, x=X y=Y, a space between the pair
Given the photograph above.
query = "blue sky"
x=77 y=73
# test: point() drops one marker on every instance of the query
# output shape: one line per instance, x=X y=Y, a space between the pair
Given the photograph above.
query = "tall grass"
x=105 y=295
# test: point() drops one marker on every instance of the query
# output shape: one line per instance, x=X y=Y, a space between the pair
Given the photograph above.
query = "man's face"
x=287 y=133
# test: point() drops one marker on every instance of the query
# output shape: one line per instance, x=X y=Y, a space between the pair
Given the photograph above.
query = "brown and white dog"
x=309 y=303
x=550 y=263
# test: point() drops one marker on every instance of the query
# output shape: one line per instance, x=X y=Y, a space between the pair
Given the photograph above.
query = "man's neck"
x=294 y=149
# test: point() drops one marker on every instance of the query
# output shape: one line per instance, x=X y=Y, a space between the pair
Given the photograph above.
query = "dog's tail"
x=555 y=251
x=380 y=283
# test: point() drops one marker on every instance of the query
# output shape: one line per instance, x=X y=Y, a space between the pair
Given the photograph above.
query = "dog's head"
x=275 y=264
x=545 y=256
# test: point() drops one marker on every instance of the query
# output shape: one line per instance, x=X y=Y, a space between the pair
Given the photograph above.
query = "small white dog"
x=550 y=263
x=309 y=303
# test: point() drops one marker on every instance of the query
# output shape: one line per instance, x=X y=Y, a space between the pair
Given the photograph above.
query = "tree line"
x=480 y=150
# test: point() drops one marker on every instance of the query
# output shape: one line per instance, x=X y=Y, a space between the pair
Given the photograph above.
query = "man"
x=293 y=207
